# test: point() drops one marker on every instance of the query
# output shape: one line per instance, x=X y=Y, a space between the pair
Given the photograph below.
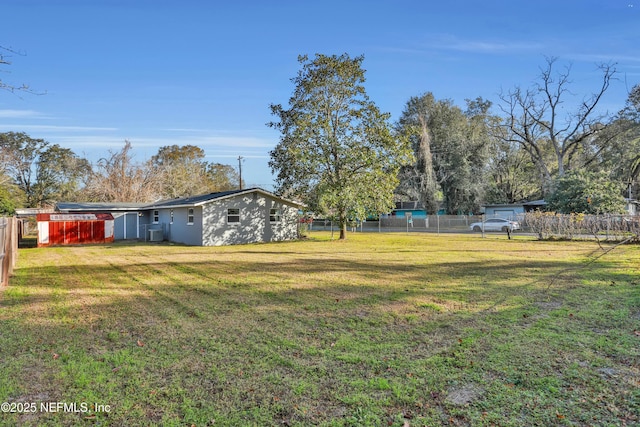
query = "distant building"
x=412 y=208
x=511 y=211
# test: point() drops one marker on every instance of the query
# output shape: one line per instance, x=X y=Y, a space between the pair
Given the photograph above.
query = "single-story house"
x=409 y=210
x=412 y=209
x=223 y=218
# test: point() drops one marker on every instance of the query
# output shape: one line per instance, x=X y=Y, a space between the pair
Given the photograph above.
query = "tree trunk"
x=342 y=217
x=561 y=167
x=343 y=231
x=425 y=169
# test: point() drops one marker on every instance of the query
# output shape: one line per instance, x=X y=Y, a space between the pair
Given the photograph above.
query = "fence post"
x=8 y=248
x=14 y=243
x=3 y=246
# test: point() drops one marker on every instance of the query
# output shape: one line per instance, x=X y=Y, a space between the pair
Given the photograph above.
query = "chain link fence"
x=429 y=223
x=543 y=225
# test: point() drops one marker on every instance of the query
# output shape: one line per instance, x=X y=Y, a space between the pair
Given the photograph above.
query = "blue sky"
x=204 y=72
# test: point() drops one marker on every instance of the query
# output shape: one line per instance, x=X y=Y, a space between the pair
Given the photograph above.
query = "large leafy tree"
x=621 y=153
x=418 y=180
x=512 y=175
x=60 y=175
x=10 y=196
x=222 y=177
x=451 y=147
x=580 y=191
x=183 y=171
x=44 y=172
x=336 y=151
x=536 y=120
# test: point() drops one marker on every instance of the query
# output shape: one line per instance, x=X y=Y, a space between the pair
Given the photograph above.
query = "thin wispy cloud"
x=20 y=114
x=484 y=46
x=206 y=143
x=88 y=141
x=53 y=128
x=449 y=43
x=604 y=57
x=194 y=130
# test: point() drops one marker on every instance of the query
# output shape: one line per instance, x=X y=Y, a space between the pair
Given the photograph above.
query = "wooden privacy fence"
x=8 y=247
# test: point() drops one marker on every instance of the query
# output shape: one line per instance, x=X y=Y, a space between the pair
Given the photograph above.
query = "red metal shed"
x=74 y=229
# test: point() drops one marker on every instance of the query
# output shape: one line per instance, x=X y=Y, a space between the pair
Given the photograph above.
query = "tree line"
x=36 y=173
x=346 y=160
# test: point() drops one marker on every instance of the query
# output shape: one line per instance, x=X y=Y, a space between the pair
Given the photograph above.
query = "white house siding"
x=254 y=225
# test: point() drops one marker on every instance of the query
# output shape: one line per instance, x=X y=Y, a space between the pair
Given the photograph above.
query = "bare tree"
x=119 y=179
x=5 y=54
x=536 y=120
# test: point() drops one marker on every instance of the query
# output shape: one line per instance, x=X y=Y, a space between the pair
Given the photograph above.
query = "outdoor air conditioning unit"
x=155 y=236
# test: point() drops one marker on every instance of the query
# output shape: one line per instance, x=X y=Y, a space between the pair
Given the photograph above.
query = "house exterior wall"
x=125 y=225
x=173 y=223
x=415 y=213
x=254 y=224
x=131 y=225
x=180 y=230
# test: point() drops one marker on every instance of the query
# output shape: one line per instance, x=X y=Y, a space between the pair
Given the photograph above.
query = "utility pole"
x=240 y=159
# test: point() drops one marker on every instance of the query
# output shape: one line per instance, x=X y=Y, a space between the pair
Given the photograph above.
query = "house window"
x=233 y=216
x=274 y=215
x=190 y=216
x=156 y=217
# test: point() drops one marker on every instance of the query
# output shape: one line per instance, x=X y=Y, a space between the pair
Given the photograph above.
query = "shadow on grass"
x=287 y=339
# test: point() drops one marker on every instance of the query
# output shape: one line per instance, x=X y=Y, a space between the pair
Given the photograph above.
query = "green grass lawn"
x=381 y=329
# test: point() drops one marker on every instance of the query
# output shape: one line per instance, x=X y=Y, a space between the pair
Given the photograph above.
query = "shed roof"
x=74 y=217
